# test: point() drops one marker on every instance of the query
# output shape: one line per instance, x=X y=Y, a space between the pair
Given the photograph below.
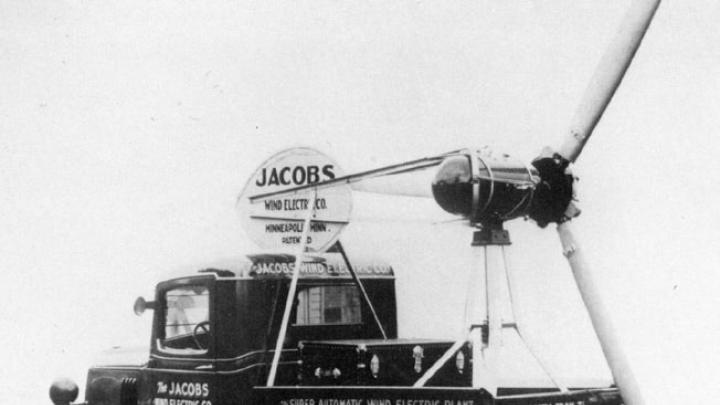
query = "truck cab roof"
x=281 y=265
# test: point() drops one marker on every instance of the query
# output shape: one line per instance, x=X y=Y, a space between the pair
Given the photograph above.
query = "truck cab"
x=214 y=330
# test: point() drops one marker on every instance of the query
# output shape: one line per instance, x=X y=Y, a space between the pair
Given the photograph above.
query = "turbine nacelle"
x=489 y=189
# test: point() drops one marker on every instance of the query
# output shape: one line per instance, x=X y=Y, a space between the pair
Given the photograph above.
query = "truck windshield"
x=186 y=326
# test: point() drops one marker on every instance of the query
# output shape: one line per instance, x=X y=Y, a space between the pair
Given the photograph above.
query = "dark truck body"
x=214 y=334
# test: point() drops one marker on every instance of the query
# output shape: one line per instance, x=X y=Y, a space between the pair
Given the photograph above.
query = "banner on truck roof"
x=331 y=265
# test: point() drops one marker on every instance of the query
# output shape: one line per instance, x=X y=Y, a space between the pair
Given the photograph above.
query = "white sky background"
x=127 y=131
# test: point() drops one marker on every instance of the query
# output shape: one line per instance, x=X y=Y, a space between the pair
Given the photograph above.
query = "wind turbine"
x=489 y=189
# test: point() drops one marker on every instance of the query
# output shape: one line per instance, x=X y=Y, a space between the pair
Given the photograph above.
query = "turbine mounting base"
x=491 y=235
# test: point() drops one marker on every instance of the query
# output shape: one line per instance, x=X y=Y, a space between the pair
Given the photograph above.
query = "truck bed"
x=353 y=395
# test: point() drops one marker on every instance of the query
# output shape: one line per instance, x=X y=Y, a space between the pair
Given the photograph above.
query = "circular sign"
x=276 y=201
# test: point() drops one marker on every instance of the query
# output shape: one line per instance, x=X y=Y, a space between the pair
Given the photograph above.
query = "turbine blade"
x=608 y=75
x=599 y=316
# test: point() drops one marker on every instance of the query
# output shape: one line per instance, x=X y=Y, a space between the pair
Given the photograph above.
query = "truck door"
x=181 y=370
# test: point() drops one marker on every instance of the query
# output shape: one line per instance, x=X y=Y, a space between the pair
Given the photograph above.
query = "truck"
x=214 y=333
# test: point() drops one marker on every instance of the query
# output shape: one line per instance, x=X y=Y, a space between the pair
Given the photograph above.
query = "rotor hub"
x=554 y=193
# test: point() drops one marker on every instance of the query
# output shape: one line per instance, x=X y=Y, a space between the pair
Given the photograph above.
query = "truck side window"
x=328 y=305
x=186 y=328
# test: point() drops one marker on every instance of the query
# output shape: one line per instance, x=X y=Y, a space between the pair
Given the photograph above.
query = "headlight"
x=63 y=391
